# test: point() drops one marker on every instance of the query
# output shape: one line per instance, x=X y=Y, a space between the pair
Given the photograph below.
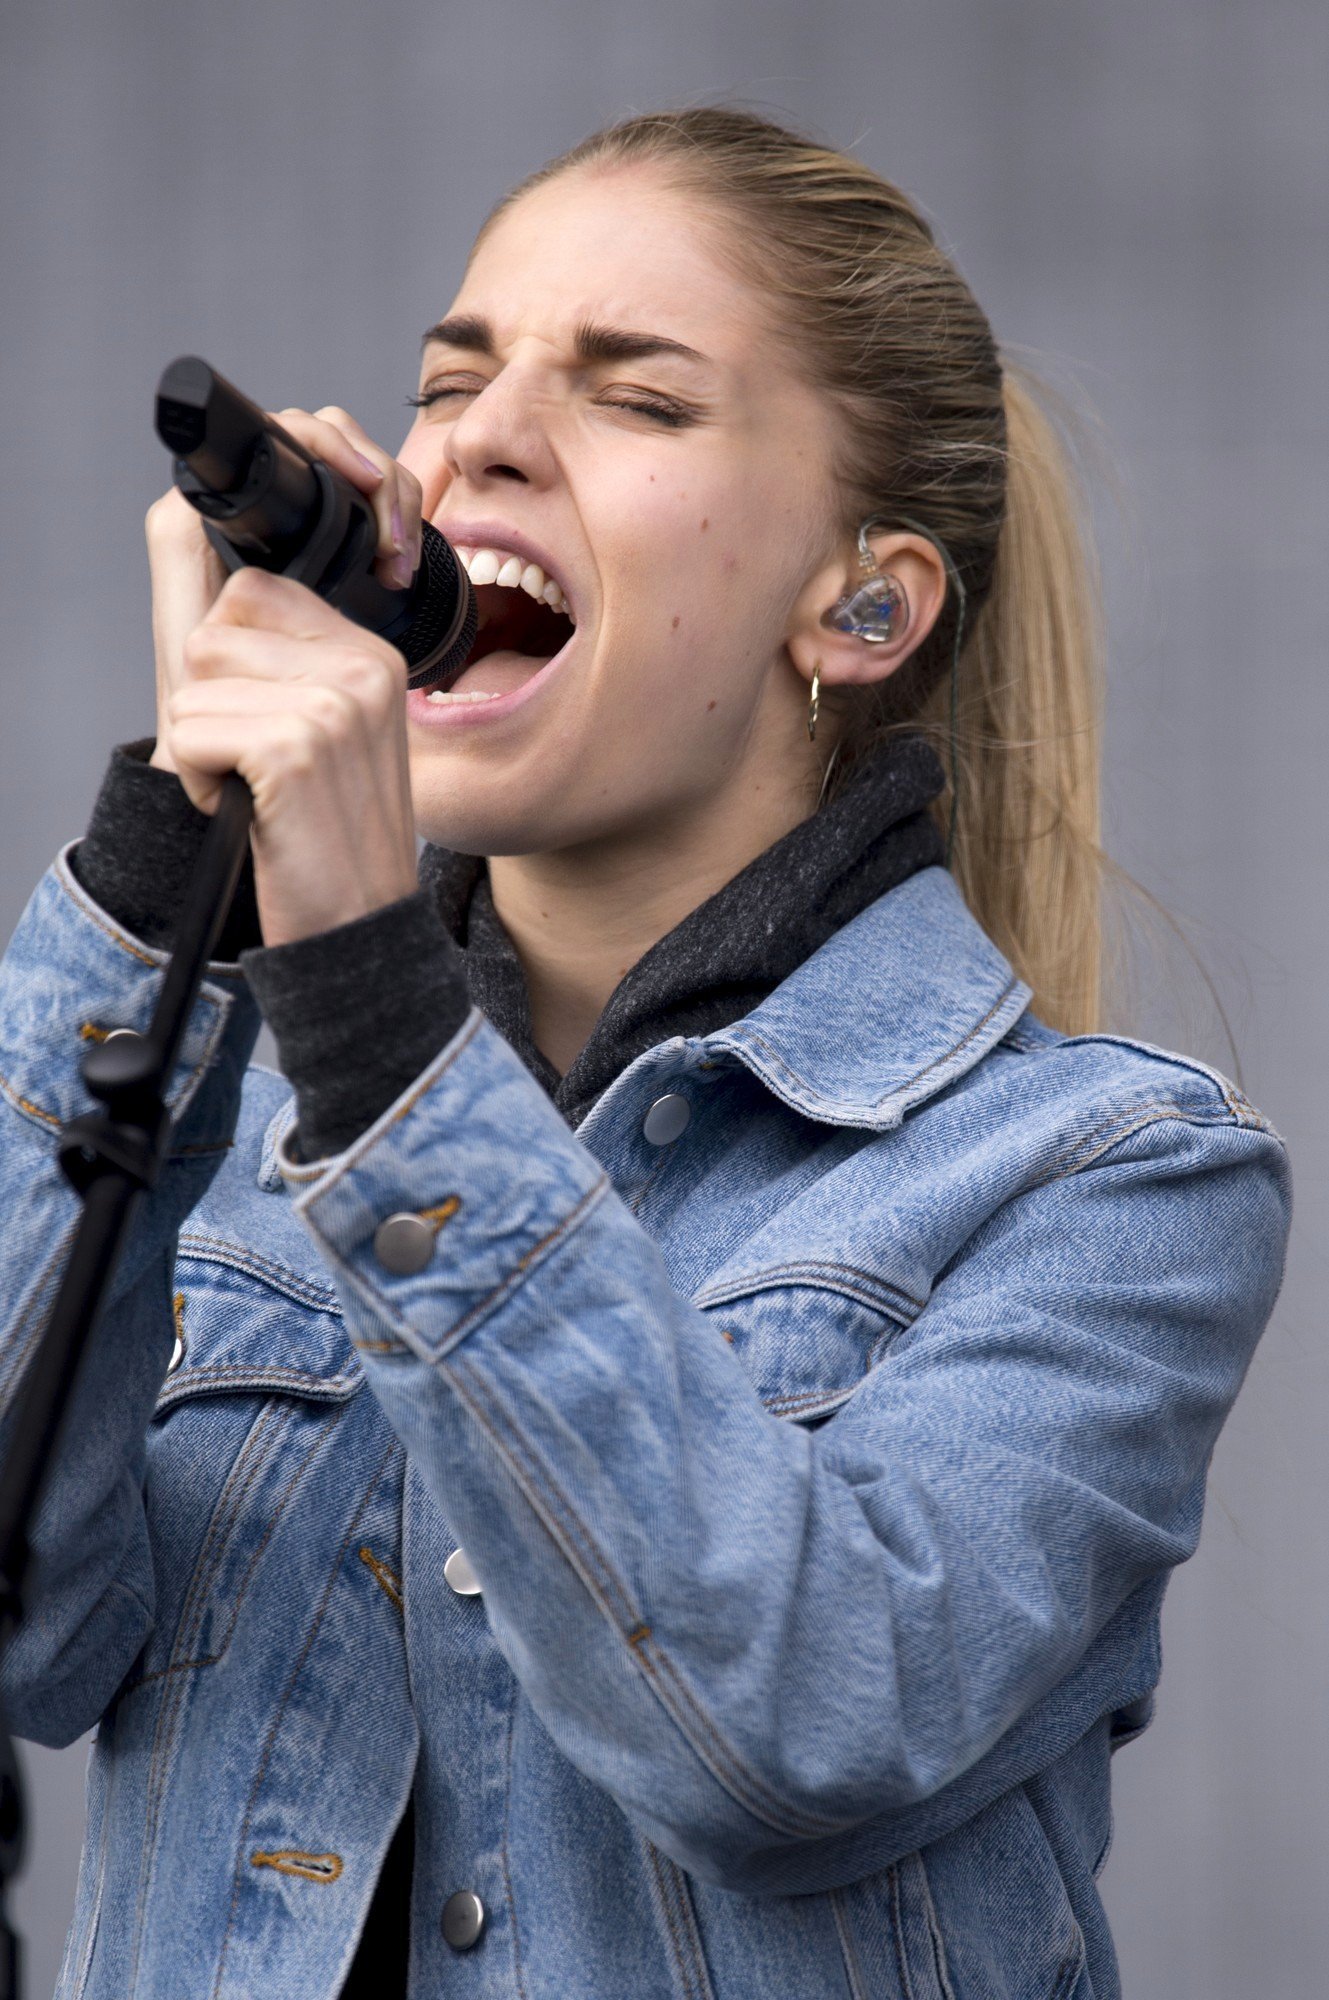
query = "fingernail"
x=401 y=569
x=369 y=465
x=398 y=535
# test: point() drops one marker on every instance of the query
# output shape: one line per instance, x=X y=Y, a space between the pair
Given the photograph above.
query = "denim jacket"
x=820 y=1421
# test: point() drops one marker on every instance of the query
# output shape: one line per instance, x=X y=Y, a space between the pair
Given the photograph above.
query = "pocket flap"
x=807 y=1334
x=246 y=1324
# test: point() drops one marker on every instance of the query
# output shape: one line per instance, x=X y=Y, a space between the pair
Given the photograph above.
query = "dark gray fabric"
x=138 y=853
x=359 y=1010
x=734 y=948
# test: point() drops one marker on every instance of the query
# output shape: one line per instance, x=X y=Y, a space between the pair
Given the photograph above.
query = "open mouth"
x=519 y=631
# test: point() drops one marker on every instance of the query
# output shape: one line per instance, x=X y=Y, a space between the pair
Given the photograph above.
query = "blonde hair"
x=939 y=429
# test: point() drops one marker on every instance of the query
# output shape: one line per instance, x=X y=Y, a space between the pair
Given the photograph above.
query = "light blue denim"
x=822 y=1469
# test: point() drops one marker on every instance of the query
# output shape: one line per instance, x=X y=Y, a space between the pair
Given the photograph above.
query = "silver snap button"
x=116 y=1033
x=458 y=1572
x=463 y=1919
x=667 y=1117
x=177 y=1354
x=404 y=1244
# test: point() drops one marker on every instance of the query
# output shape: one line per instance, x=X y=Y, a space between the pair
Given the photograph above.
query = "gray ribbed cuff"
x=358 y=1012
x=139 y=851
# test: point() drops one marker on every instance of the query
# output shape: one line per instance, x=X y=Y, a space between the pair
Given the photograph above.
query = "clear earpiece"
x=878 y=609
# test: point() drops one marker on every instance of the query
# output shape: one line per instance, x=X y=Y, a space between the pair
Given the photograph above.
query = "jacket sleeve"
x=756 y=1635
x=71 y=973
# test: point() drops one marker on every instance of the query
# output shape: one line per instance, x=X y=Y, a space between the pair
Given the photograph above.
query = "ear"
x=847 y=661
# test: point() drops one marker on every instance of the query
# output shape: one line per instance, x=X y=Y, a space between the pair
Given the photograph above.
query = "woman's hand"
x=187 y=573
x=310 y=709
x=261 y=677
x=256 y=674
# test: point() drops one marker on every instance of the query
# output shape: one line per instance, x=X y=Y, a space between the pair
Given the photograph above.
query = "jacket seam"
x=297 y=1669
x=242 y=1474
x=504 y=1856
x=684 y=1938
x=22 y=1345
x=280 y=1277
x=813 y=1095
x=176 y=1666
x=380 y=1302
x=632 y=1627
x=333 y=1167
x=199 y=1381
x=819 y=1276
x=1137 y=1119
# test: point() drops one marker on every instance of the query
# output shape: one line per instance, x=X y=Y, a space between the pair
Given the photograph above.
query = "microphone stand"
x=111 y=1157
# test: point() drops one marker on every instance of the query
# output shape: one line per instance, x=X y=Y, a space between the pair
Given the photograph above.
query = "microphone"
x=268 y=503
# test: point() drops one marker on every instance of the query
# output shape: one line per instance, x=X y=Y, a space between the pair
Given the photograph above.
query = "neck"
x=580 y=918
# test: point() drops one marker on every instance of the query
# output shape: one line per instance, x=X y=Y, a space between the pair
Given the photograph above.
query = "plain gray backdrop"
x=1137 y=192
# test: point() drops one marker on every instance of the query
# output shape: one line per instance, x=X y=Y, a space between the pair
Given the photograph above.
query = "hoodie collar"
x=735 y=951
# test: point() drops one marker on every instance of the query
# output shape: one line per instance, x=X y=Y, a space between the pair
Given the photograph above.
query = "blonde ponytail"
x=1027 y=857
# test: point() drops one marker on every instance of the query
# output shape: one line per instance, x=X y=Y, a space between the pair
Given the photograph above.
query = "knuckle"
x=197 y=648
x=333 y=413
x=294 y=750
x=248 y=588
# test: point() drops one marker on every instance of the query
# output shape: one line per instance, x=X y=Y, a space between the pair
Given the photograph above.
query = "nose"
x=498 y=437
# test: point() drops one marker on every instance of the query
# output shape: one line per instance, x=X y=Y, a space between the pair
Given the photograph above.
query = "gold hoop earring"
x=814 y=703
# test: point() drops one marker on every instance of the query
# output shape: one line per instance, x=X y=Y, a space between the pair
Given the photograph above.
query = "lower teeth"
x=439 y=695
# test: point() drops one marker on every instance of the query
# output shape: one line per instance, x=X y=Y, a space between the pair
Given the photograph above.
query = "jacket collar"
x=904 y=999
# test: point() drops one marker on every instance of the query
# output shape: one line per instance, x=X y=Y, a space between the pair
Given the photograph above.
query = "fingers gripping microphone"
x=268 y=503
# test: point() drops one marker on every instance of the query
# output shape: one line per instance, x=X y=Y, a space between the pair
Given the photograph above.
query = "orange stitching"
x=443 y=1213
x=90 y=1032
x=178 y=1315
x=92 y=911
x=378 y=1346
x=25 y=1104
x=290 y=1861
x=387 y=1579
x=251 y=1802
x=637 y=1638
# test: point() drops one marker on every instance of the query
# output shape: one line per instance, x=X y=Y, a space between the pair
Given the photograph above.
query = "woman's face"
x=605 y=400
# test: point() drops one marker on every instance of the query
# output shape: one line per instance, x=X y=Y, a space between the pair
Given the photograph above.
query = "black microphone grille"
x=443 y=629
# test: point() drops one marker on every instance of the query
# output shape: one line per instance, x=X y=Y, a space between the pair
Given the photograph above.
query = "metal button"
x=116 y=1033
x=463 y=1919
x=177 y=1354
x=458 y=1572
x=667 y=1117
x=404 y=1244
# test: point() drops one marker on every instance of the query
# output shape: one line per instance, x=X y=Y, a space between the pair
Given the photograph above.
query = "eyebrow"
x=593 y=343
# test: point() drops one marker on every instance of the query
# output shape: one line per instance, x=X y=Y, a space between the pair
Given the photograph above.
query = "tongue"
x=497 y=673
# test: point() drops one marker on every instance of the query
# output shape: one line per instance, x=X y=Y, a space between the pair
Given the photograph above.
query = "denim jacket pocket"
x=260 y=1374
x=808 y=1333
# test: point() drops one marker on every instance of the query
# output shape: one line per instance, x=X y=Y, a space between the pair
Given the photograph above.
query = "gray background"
x=1136 y=190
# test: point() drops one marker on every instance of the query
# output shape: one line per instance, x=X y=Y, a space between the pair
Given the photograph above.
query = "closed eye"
x=662 y=410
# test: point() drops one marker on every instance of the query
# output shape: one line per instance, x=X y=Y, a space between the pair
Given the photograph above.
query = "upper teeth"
x=511 y=573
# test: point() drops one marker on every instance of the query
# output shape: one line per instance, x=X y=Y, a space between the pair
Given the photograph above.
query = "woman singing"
x=645 y=1464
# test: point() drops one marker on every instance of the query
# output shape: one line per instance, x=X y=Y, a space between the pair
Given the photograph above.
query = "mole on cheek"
x=706 y=522
x=674 y=623
x=709 y=706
